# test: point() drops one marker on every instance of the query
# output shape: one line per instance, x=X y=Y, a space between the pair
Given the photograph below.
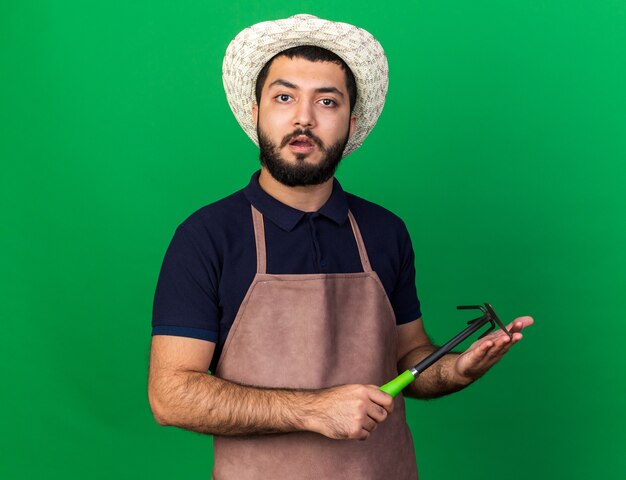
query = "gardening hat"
x=253 y=47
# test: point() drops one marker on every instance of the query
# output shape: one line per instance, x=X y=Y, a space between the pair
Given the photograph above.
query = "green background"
x=502 y=145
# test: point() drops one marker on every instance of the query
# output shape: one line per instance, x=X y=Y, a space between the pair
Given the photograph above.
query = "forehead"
x=307 y=74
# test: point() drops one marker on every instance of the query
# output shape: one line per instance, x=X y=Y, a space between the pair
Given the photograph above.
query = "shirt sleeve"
x=185 y=301
x=404 y=299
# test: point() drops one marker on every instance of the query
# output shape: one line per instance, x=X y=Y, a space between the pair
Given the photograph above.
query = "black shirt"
x=211 y=260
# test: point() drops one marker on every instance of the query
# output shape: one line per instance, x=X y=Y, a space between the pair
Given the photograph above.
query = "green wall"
x=502 y=145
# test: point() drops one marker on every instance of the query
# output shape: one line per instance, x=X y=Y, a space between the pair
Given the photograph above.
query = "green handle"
x=397 y=384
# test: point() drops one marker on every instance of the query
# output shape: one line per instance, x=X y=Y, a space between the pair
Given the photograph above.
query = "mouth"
x=301 y=144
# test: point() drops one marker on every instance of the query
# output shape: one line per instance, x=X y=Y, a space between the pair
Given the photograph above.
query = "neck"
x=307 y=199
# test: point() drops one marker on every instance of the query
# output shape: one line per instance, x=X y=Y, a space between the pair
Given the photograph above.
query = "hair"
x=313 y=54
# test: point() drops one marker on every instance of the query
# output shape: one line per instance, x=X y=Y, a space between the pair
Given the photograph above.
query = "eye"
x=327 y=102
x=283 y=98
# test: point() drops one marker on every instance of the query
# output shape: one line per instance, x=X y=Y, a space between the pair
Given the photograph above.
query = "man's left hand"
x=486 y=352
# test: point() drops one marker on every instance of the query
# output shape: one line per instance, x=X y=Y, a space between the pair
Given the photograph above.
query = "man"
x=299 y=297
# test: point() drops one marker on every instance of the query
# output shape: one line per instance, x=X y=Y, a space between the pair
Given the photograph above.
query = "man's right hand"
x=349 y=411
x=181 y=393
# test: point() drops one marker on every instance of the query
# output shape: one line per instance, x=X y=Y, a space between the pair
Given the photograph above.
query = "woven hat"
x=252 y=48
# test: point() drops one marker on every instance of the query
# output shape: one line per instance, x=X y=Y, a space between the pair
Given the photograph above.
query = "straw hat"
x=252 y=48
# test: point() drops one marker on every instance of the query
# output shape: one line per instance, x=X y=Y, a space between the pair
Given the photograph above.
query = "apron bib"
x=314 y=331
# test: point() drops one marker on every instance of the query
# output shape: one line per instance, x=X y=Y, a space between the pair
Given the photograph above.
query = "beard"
x=301 y=173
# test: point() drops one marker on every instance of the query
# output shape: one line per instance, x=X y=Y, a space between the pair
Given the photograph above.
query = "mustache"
x=306 y=132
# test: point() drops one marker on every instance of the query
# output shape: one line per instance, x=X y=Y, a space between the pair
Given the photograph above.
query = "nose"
x=304 y=115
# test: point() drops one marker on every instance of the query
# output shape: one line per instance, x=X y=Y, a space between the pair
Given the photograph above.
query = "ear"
x=255 y=114
x=352 y=125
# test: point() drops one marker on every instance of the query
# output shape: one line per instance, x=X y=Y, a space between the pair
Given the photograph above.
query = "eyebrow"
x=287 y=84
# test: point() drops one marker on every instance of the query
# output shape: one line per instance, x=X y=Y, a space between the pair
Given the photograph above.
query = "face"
x=303 y=120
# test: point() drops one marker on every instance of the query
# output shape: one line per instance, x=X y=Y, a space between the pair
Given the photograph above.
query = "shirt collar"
x=286 y=217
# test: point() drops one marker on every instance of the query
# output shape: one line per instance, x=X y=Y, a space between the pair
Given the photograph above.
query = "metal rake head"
x=489 y=316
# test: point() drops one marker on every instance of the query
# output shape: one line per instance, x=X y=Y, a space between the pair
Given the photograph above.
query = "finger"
x=494 y=353
x=507 y=346
x=512 y=328
x=381 y=398
x=520 y=323
x=369 y=425
x=500 y=334
x=503 y=343
x=501 y=339
x=481 y=350
x=501 y=348
x=377 y=413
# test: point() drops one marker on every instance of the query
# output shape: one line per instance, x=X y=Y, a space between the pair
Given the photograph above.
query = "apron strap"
x=259 y=239
x=365 y=261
